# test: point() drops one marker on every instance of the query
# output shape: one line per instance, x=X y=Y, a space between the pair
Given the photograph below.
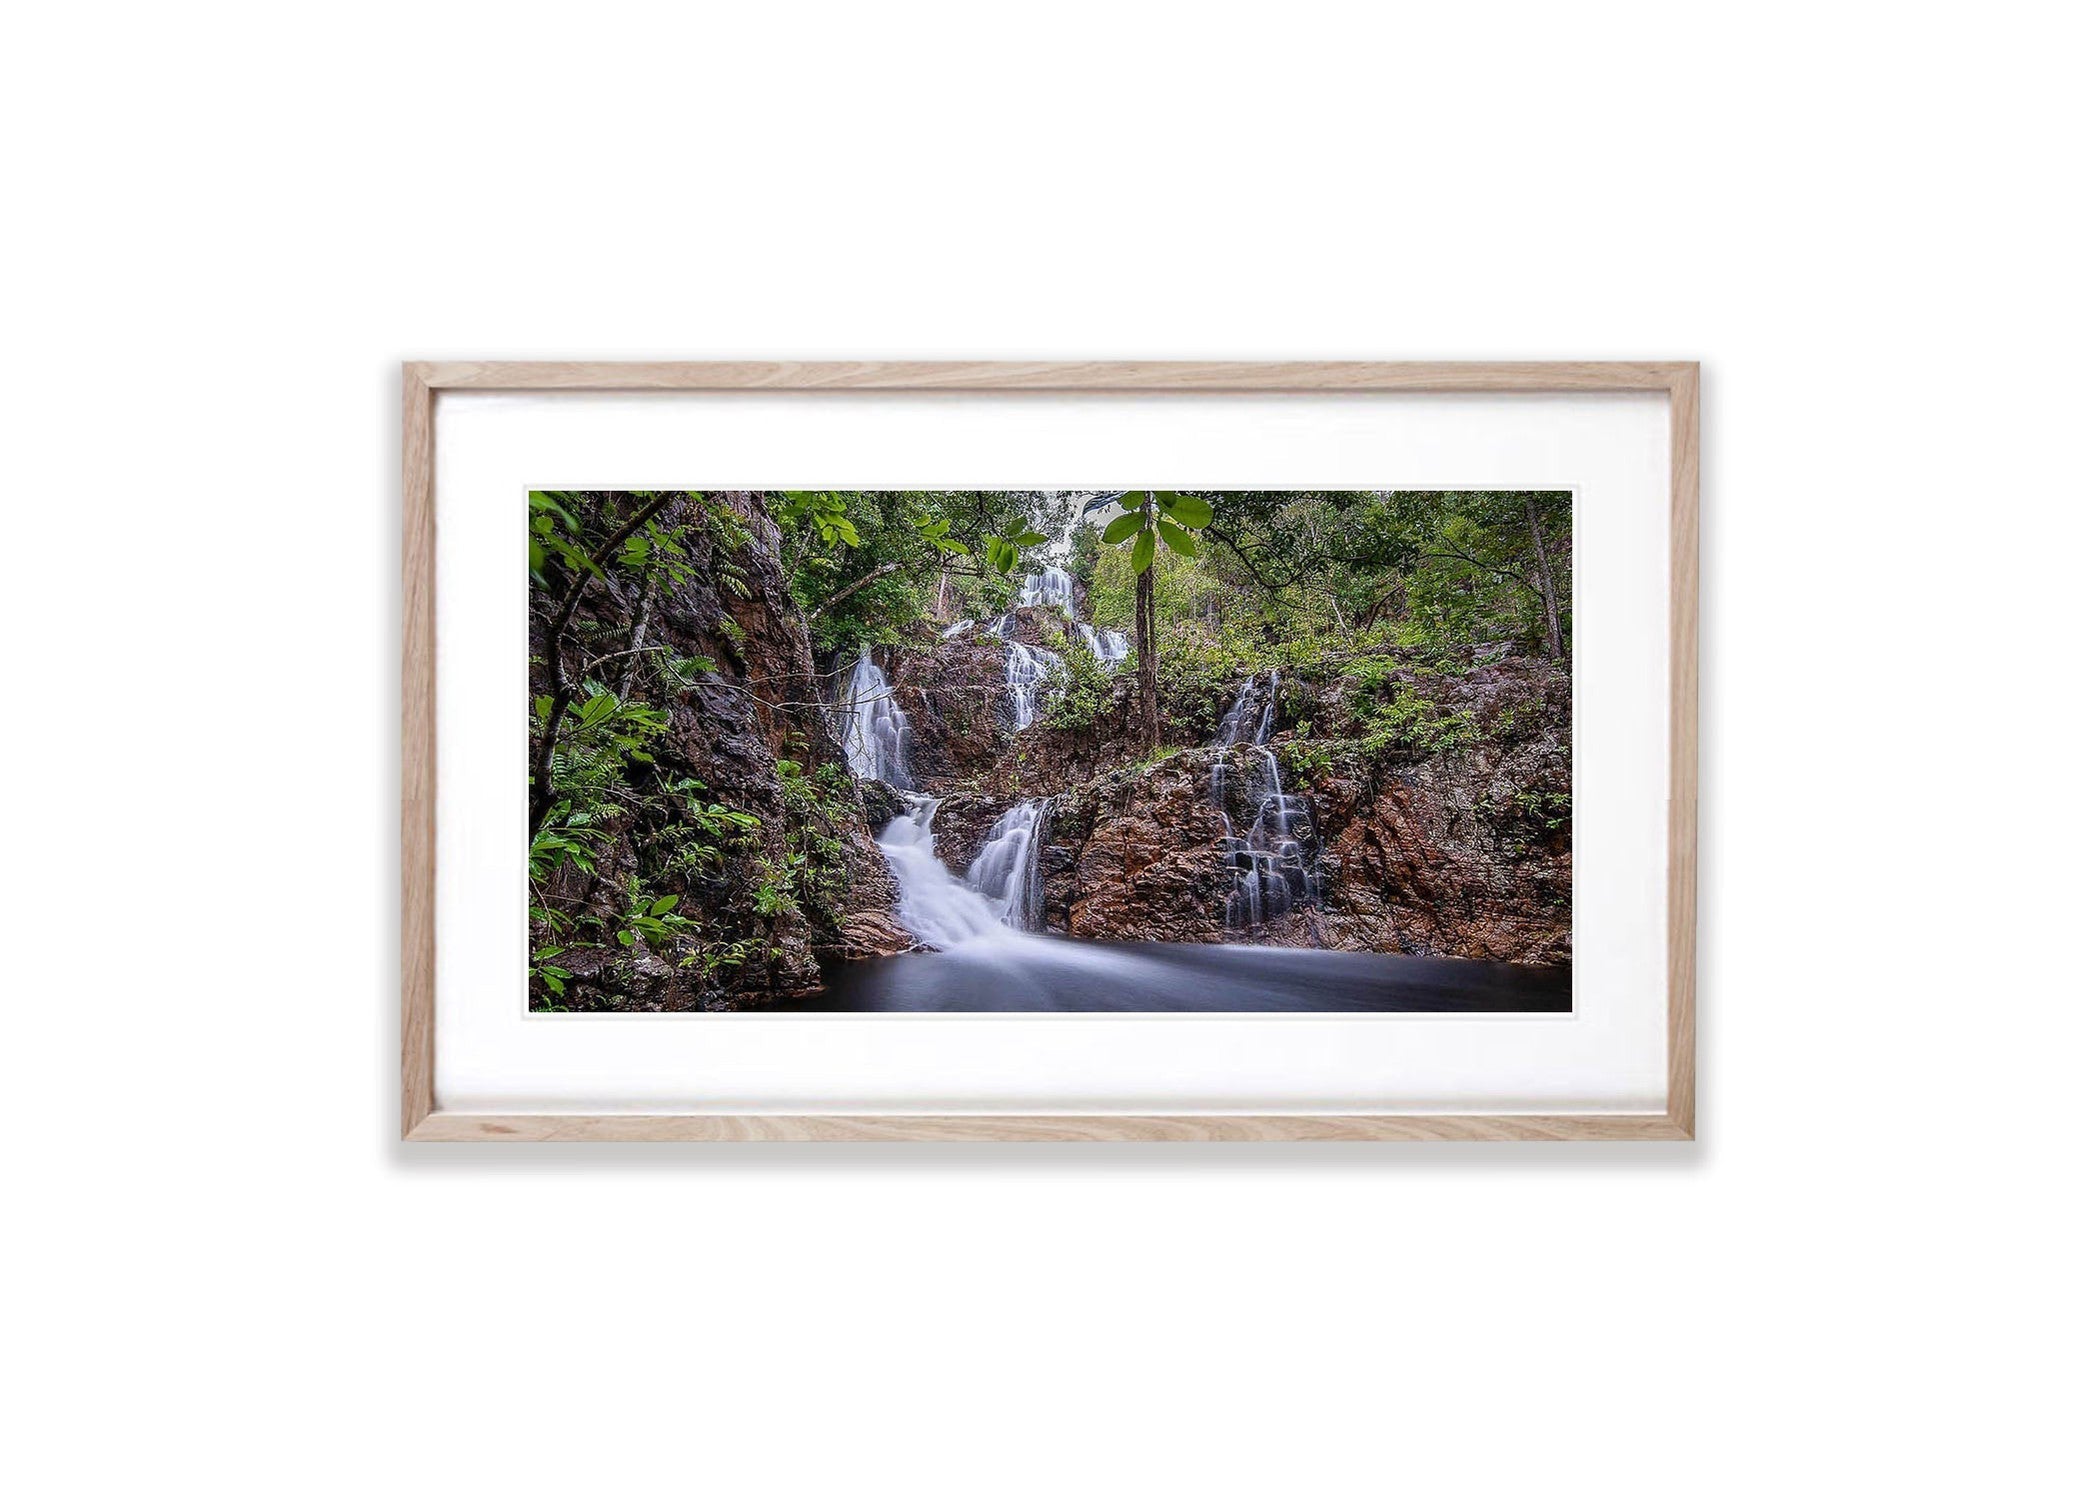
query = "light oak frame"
x=420 y=385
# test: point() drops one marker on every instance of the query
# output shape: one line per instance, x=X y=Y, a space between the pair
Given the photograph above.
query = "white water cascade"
x=1275 y=862
x=873 y=727
x=1003 y=893
x=1006 y=872
x=957 y=628
x=933 y=905
x=1109 y=647
x=1247 y=718
x=1028 y=667
x=1051 y=588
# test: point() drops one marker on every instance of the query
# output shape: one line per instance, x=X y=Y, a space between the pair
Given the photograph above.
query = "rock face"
x=767 y=902
x=1450 y=840
x=1446 y=860
x=961 y=825
x=1454 y=839
x=954 y=694
x=962 y=738
x=1134 y=857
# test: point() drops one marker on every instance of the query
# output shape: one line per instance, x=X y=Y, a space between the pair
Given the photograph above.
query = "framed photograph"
x=1135 y=751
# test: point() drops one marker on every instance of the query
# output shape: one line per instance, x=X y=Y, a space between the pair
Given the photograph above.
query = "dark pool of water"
x=1047 y=973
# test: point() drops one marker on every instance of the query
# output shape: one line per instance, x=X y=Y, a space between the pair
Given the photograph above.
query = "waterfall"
x=1049 y=589
x=933 y=905
x=1275 y=862
x=873 y=726
x=957 y=628
x=1108 y=646
x=1027 y=668
x=1054 y=588
x=1248 y=717
x=1007 y=872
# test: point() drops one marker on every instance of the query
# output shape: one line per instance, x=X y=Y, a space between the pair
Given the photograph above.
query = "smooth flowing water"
x=934 y=906
x=1028 y=669
x=1109 y=647
x=1275 y=861
x=873 y=727
x=1056 y=974
x=1052 y=588
x=1007 y=872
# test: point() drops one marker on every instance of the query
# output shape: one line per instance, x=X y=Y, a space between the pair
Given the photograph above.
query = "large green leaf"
x=1141 y=553
x=1030 y=539
x=1188 y=510
x=1176 y=538
x=1134 y=500
x=1122 y=528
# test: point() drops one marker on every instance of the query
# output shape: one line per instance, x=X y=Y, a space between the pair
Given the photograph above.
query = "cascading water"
x=873 y=726
x=1027 y=668
x=1003 y=895
x=933 y=905
x=1275 y=862
x=1051 y=588
x=1007 y=872
x=1109 y=647
x=1242 y=718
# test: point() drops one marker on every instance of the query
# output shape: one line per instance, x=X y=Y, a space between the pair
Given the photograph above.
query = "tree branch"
x=1499 y=572
x=557 y=626
x=854 y=587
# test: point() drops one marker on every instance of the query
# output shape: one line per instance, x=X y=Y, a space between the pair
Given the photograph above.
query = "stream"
x=1033 y=973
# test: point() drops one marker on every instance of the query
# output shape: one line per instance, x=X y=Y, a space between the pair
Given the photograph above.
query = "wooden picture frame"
x=421 y=383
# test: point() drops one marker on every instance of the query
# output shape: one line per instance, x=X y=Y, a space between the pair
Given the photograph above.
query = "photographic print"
x=1105 y=750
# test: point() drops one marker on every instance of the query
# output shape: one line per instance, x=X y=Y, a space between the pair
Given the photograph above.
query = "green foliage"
x=1199 y=673
x=1461 y=568
x=1083 y=694
x=599 y=738
x=555 y=532
x=822 y=511
x=876 y=571
x=1305 y=759
x=814 y=876
x=649 y=917
x=1169 y=515
x=1418 y=725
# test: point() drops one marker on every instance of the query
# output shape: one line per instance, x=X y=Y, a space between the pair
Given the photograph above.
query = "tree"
x=857 y=560
x=559 y=538
x=1150 y=517
x=1548 y=592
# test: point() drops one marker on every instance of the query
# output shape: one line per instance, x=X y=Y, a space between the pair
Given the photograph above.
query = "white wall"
x=231 y=222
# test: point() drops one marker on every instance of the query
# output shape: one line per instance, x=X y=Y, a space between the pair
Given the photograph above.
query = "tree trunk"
x=1546 y=590
x=1147 y=649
